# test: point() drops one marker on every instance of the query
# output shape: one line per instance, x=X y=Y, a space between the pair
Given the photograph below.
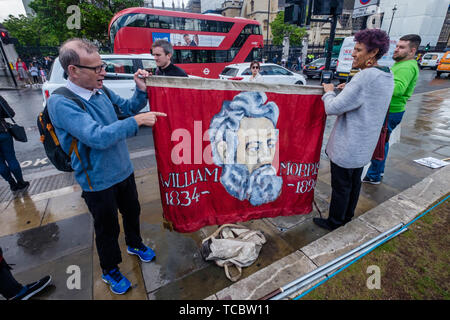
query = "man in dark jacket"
x=162 y=50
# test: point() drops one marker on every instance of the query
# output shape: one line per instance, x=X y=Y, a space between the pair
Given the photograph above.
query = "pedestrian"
x=9 y=166
x=43 y=74
x=300 y=66
x=360 y=108
x=406 y=73
x=106 y=175
x=47 y=63
x=162 y=50
x=22 y=71
x=11 y=289
x=255 y=67
x=34 y=73
x=275 y=59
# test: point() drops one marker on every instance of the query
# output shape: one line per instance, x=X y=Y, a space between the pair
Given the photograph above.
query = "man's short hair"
x=414 y=40
x=68 y=56
x=164 y=44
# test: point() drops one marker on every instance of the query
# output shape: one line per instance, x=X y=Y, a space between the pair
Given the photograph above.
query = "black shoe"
x=371 y=181
x=13 y=186
x=23 y=185
x=324 y=223
x=31 y=289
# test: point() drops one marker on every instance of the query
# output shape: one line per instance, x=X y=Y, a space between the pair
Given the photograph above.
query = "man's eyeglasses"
x=97 y=69
x=255 y=67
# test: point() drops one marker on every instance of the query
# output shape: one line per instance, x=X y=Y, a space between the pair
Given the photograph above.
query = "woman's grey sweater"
x=360 y=108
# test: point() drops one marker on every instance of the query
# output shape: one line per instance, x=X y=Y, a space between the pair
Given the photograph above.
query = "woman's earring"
x=369 y=63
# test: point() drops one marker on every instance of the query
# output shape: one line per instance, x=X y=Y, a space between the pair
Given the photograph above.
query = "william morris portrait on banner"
x=243 y=140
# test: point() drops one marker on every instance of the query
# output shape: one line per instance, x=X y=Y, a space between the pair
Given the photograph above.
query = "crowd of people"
x=374 y=95
x=34 y=72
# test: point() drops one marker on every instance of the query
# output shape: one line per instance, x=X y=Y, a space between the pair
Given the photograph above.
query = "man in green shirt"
x=406 y=73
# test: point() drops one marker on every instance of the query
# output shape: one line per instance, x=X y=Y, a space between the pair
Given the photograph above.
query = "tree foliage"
x=49 y=25
x=281 y=30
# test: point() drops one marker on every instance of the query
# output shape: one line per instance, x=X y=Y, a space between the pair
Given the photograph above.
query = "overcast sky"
x=15 y=7
x=7 y=7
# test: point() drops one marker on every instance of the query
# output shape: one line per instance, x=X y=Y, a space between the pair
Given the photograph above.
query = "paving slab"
x=271 y=278
x=37 y=246
x=21 y=214
x=64 y=270
x=177 y=255
x=339 y=241
x=429 y=189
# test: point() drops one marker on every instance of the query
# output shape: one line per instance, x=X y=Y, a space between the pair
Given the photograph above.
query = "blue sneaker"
x=117 y=282
x=145 y=253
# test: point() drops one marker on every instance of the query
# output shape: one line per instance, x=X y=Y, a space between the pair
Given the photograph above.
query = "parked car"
x=430 y=60
x=271 y=73
x=315 y=67
x=443 y=65
x=119 y=74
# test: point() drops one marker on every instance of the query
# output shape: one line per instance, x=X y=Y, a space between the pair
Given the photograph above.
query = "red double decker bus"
x=203 y=43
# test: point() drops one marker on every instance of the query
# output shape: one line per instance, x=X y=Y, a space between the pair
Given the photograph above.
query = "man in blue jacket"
x=105 y=173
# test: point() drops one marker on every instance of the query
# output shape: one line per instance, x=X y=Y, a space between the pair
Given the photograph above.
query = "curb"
x=401 y=208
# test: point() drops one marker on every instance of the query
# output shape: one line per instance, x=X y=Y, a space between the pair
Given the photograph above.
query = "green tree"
x=95 y=15
x=28 y=31
x=281 y=30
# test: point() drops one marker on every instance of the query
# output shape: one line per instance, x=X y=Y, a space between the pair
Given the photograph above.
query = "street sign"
x=365 y=3
x=364 y=11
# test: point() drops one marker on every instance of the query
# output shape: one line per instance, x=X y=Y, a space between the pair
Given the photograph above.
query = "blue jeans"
x=8 y=160
x=377 y=166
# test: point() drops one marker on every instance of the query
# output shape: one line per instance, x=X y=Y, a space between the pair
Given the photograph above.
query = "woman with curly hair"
x=360 y=108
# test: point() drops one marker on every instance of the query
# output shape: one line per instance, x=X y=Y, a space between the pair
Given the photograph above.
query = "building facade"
x=425 y=18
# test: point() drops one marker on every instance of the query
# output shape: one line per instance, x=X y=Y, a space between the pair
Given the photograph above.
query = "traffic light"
x=5 y=37
x=324 y=7
x=427 y=47
x=296 y=12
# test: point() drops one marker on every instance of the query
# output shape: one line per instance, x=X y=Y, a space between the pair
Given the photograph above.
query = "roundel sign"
x=364 y=2
x=206 y=71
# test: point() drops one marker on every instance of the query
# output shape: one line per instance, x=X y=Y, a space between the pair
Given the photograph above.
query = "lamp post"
x=268 y=23
x=392 y=19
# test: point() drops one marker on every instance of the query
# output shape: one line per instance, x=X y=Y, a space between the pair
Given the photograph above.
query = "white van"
x=345 y=59
x=430 y=60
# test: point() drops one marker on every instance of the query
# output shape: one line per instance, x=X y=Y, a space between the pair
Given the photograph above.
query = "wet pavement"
x=48 y=229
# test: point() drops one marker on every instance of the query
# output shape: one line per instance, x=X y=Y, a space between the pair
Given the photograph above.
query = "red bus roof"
x=182 y=14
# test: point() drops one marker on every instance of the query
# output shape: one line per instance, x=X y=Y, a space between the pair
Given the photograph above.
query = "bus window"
x=221 y=56
x=136 y=20
x=180 y=23
x=191 y=24
x=255 y=54
x=152 y=21
x=166 y=22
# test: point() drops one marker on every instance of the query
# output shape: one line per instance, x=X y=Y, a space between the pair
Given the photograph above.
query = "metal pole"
x=268 y=23
x=7 y=63
x=340 y=263
x=392 y=19
x=335 y=261
x=331 y=40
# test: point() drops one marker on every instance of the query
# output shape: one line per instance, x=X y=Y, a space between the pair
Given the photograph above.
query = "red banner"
x=233 y=151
